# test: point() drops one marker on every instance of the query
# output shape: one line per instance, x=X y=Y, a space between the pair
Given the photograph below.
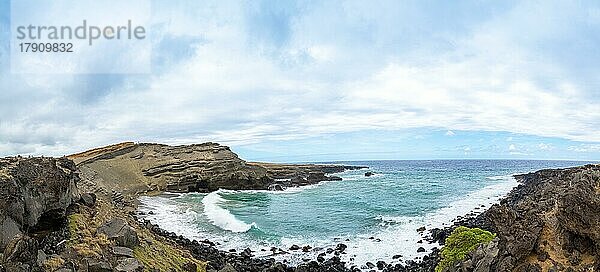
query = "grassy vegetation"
x=4 y=174
x=462 y=241
x=53 y=263
x=154 y=252
x=83 y=241
x=162 y=256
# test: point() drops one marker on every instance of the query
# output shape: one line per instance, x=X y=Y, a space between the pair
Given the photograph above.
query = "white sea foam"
x=401 y=236
x=221 y=217
x=397 y=234
x=170 y=215
x=187 y=219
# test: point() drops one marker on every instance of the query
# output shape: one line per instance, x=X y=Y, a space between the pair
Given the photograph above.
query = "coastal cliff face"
x=34 y=196
x=551 y=222
x=130 y=167
x=73 y=214
x=48 y=224
x=52 y=220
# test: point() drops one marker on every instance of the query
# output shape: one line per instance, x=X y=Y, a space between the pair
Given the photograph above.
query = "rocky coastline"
x=245 y=260
x=550 y=222
x=79 y=213
x=141 y=168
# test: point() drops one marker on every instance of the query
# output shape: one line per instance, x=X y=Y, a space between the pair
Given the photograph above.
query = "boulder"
x=275 y=187
x=228 y=268
x=98 y=266
x=190 y=267
x=9 y=229
x=41 y=257
x=122 y=251
x=88 y=199
x=129 y=265
x=118 y=230
x=341 y=247
x=368 y=174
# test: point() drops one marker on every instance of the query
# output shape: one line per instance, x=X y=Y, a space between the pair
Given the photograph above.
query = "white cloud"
x=543 y=146
x=518 y=150
x=585 y=148
x=323 y=80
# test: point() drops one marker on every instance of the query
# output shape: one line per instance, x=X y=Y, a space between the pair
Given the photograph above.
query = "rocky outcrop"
x=119 y=231
x=129 y=265
x=34 y=196
x=551 y=222
x=46 y=224
x=134 y=168
x=34 y=193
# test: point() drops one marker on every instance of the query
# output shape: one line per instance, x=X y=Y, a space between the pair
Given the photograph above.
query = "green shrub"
x=462 y=241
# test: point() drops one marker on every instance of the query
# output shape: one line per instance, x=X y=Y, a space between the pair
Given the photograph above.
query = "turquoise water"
x=389 y=206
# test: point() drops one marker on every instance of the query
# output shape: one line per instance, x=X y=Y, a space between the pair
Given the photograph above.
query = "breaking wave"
x=221 y=217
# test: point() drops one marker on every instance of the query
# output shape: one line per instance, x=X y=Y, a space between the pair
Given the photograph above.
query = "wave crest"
x=221 y=217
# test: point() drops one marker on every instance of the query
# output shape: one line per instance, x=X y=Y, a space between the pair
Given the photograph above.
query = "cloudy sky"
x=332 y=80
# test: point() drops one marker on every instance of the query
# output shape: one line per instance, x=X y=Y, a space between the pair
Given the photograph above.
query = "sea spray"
x=222 y=217
x=389 y=207
x=399 y=234
x=171 y=214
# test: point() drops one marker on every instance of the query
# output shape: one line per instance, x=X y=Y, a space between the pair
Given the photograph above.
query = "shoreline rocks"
x=244 y=261
x=552 y=210
x=551 y=221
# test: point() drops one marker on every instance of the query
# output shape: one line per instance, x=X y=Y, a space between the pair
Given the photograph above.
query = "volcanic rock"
x=118 y=230
x=553 y=211
x=129 y=265
x=122 y=251
x=34 y=194
x=135 y=168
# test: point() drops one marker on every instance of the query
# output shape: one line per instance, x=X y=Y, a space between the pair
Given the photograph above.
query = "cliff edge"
x=139 y=168
x=550 y=222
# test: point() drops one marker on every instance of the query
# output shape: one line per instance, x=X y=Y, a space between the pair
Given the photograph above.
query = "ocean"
x=377 y=217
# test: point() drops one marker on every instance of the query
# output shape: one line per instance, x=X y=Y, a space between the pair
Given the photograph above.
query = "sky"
x=290 y=81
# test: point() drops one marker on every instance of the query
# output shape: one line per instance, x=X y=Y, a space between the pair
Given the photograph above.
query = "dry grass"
x=163 y=256
x=82 y=229
x=53 y=263
x=153 y=251
x=4 y=174
x=83 y=240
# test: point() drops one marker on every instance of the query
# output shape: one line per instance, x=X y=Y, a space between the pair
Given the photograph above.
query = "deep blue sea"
x=377 y=216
